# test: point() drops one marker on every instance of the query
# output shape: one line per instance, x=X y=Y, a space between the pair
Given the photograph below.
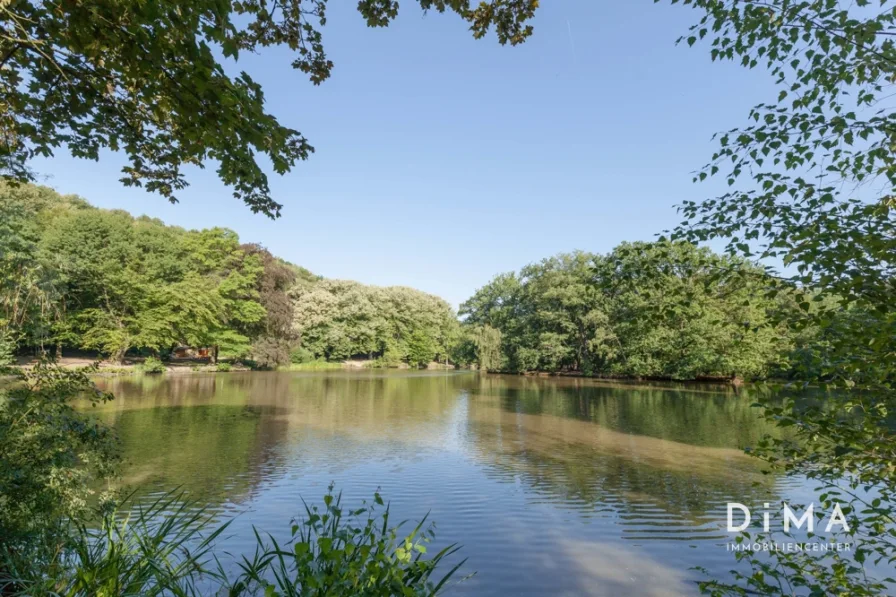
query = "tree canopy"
x=592 y=314
x=812 y=179
x=157 y=81
x=97 y=279
x=337 y=319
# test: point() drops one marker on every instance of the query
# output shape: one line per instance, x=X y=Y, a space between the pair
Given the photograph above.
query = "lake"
x=552 y=485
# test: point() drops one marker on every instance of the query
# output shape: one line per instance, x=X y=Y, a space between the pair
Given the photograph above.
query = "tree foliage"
x=51 y=457
x=156 y=81
x=87 y=278
x=593 y=314
x=812 y=181
x=336 y=320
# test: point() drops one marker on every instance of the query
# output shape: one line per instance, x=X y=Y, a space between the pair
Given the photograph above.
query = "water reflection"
x=552 y=485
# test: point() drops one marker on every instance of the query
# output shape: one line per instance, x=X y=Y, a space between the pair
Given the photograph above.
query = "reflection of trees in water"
x=221 y=436
x=215 y=452
x=701 y=415
x=658 y=488
x=596 y=447
x=197 y=432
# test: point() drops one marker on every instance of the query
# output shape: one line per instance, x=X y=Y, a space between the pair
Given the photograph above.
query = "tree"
x=51 y=457
x=421 y=349
x=28 y=289
x=673 y=316
x=98 y=259
x=99 y=279
x=234 y=278
x=820 y=172
x=151 y=80
x=275 y=335
x=337 y=319
x=644 y=310
x=487 y=341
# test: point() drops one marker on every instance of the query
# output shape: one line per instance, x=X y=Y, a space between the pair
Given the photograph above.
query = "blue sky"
x=442 y=160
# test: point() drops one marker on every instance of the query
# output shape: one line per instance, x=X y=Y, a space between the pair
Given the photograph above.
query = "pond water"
x=552 y=485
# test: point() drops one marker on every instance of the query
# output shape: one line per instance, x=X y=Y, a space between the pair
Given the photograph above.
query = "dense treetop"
x=81 y=277
x=591 y=313
x=338 y=319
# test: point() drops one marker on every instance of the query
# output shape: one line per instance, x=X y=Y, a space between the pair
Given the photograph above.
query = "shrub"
x=223 y=367
x=7 y=347
x=50 y=457
x=151 y=365
x=300 y=355
x=167 y=548
x=337 y=552
x=162 y=548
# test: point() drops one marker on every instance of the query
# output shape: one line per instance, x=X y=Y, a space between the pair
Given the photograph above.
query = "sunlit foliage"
x=156 y=82
x=594 y=314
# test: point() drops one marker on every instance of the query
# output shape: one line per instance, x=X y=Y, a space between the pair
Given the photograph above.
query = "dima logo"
x=790 y=518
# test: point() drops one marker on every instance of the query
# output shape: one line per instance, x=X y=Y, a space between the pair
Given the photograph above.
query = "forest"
x=75 y=277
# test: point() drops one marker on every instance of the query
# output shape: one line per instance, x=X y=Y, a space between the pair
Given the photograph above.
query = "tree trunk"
x=119 y=355
x=58 y=351
x=214 y=354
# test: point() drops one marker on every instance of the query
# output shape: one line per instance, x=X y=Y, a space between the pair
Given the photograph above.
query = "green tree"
x=421 y=349
x=150 y=80
x=673 y=316
x=29 y=292
x=487 y=341
x=51 y=456
x=98 y=259
x=819 y=173
x=336 y=320
x=644 y=310
x=99 y=279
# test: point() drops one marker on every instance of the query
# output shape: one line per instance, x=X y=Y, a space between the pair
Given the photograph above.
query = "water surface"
x=553 y=486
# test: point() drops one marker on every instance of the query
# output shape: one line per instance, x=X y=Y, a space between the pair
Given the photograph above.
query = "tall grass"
x=167 y=548
x=160 y=548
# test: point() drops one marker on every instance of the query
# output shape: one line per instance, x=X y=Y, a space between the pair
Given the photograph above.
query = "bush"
x=223 y=368
x=299 y=355
x=50 y=457
x=392 y=358
x=151 y=365
x=7 y=348
x=167 y=548
x=334 y=553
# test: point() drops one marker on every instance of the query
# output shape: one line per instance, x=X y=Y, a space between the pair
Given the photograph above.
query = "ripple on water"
x=552 y=487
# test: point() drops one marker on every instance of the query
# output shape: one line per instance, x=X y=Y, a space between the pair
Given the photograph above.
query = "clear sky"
x=442 y=160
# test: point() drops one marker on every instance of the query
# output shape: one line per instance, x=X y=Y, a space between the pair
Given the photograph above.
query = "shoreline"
x=180 y=366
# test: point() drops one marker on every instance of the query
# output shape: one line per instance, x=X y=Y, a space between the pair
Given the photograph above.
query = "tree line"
x=649 y=310
x=75 y=276
x=80 y=277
